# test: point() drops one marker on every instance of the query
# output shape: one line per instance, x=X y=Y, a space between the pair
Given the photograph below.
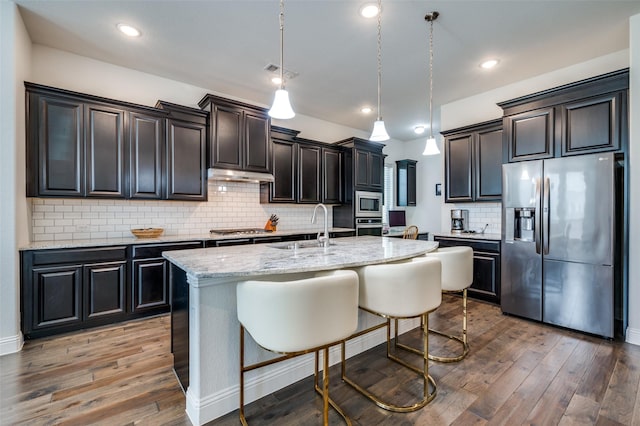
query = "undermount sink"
x=296 y=245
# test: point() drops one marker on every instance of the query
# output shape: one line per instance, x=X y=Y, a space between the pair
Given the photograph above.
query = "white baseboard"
x=633 y=336
x=11 y=344
x=281 y=375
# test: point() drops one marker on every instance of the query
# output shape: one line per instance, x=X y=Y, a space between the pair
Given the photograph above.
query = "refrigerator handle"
x=545 y=216
x=537 y=233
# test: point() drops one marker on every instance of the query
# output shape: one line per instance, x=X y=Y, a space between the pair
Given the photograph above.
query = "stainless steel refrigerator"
x=558 y=241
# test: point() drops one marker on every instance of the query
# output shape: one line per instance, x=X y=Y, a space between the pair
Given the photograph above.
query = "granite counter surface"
x=101 y=242
x=267 y=259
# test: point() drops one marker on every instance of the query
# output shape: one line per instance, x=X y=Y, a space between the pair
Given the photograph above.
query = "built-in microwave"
x=368 y=204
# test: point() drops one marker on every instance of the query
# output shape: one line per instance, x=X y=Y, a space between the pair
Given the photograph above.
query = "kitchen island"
x=205 y=329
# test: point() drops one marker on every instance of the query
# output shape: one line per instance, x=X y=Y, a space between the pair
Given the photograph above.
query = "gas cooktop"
x=240 y=231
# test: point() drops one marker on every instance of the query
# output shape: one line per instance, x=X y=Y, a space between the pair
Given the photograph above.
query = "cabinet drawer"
x=47 y=257
x=155 y=250
x=476 y=245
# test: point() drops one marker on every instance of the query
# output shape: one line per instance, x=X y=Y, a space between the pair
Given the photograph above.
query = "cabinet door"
x=486 y=277
x=488 y=165
x=458 y=168
x=376 y=171
x=104 y=290
x=105 y=151
x=592 y=125
x=331 y=176
x=406 y=183
x=146 y=148
x=57 y=297
x=309 y=174
x=284 y=172
x=57 y=141
x=361 y=164
x=226 y=143
x=530 y=135
x=186 y=165
x=256 y=142
x=150 y=284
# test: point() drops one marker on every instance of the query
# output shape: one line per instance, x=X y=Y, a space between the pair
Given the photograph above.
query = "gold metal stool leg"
x=461 y=339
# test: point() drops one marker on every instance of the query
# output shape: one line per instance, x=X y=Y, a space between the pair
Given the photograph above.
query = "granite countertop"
x=100 y=242
x=473 y=236
x=265 y=259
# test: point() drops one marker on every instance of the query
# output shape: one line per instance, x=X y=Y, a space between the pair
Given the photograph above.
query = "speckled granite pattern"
x=42 y=245
x=265 y=259
x=491 y=237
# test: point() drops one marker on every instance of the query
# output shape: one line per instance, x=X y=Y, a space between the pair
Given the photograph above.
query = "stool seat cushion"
x=298 y=315
x=401 y=289
x=457 y=267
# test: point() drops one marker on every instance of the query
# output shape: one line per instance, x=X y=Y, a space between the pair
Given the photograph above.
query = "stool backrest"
x=457 y=267
x=410 y=232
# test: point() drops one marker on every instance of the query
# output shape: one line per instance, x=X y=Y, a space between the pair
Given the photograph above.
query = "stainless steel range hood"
x=238 y=175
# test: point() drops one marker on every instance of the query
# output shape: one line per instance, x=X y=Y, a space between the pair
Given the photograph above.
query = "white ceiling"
x=224 y=46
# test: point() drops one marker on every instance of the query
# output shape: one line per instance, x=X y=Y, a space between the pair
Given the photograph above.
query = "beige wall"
x=15 y=53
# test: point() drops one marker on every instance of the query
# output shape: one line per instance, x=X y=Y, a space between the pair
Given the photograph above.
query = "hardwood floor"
x=518 y=372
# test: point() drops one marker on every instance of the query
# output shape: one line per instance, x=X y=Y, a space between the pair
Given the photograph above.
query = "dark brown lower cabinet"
x=486 y=266
x=105 y=290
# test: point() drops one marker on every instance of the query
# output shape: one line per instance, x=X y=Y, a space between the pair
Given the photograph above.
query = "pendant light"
x=379 y=133
x=281 y=107
x=431 y=148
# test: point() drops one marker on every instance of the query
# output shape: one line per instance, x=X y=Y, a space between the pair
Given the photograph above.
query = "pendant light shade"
x=431 y=148
x=281 y=108
x=379 y=132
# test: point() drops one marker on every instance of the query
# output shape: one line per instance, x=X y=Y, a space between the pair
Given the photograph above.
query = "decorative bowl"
x=147 y=232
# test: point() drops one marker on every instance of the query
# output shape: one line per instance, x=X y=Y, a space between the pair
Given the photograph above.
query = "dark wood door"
x=57 y=297
x=186 y=161
x=283 y=189
x=486 y=276
x=104 y=290
x=592 y=125
x=104 y=151
x=257 y=153
x=458 y=168
x=361 y=172
x=150 y=285
x=331 y=176
x=227 y=136
x=57 y=141
x=376 y=171
x=530 y=135
x=309 y=174
x=488 y=165
x=146 y=153
x=406 y=182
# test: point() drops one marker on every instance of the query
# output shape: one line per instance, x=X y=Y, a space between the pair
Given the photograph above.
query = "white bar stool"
x=298 y=317
x=457 y=277
x=399 y=290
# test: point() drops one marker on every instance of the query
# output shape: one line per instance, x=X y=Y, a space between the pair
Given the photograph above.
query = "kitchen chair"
x=410 y=233
x=399 y=290
x=298 y=317
x=457 y=276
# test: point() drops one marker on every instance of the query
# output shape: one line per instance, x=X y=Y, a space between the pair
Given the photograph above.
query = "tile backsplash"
x=480 y=214
x=229 y=205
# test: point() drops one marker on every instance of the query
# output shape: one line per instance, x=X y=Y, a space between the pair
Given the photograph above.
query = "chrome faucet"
x=324 y=240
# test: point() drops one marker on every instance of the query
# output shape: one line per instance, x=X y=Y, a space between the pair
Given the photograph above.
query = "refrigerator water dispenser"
x=524 y=224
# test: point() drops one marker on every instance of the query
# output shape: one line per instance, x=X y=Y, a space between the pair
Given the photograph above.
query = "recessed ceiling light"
x=369 y=10
x=365 y=110
x=419 y=129
x=129 y=30
x=489 y=64
x=276 y=80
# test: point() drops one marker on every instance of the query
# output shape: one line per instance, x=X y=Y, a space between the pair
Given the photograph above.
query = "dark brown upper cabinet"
x=332 y=166
x=309 y=174
x=239 y=135
x=579 y=118
x=406 y=183
x=365 y=169
x=284 y=166
x=473 y=163
x=81 y=145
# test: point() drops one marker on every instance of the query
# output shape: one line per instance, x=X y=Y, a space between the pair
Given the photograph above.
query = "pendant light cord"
x=281 y=44
x=431 y=78
x=379 y=56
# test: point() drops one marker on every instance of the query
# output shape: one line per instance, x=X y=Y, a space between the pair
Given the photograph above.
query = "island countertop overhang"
x=265 y=259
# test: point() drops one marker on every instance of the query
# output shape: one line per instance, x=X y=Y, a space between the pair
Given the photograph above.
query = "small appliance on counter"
x=459 y=221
